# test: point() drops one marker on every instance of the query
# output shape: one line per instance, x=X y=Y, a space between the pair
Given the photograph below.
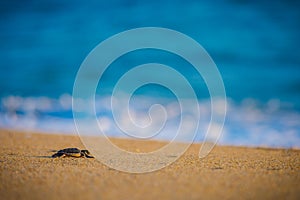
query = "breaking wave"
x=249 y=123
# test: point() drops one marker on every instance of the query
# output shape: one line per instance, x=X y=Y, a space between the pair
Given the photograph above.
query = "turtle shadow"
x=51 y=150
x=40 y=156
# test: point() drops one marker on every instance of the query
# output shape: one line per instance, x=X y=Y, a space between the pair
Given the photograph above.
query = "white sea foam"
x=247 y=123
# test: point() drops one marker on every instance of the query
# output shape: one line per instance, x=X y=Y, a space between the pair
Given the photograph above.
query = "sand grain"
x=28 y=172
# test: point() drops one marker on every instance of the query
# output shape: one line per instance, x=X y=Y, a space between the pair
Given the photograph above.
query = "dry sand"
x=28 y=172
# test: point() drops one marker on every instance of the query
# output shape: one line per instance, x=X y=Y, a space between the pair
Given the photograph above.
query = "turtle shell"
x=69 y=150
x=74 y=152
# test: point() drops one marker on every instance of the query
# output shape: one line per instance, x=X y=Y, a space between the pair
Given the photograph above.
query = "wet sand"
x=27 y=171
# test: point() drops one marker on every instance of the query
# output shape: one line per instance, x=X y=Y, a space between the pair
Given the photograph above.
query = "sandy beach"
x=27 y=171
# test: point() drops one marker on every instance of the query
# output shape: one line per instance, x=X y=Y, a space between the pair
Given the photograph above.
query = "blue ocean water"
x=255 y=45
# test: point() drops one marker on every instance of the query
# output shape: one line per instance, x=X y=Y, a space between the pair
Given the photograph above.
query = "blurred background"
x=255 y=45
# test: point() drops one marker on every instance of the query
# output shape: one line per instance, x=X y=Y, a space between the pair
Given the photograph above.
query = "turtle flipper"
x=86 y=154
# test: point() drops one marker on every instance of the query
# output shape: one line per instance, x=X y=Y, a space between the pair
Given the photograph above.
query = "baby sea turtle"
x=72 y=152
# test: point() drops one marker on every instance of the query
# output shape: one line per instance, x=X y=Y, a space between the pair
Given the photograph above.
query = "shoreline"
x=30 y=132
x=228 y=172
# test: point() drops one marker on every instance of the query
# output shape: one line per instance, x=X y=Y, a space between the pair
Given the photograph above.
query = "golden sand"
x=27 y=171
